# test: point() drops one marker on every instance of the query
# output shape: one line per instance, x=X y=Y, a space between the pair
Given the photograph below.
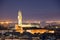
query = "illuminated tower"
x=19 y=18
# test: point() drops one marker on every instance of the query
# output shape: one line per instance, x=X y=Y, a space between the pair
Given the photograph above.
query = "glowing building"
x=19 y=18
x=20 y=21
x=19 y=27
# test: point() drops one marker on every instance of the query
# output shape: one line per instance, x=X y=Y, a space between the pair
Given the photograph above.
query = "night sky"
x=31 y=9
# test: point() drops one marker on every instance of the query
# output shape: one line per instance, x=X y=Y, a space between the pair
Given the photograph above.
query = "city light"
x=5 y=22
x=51 y=31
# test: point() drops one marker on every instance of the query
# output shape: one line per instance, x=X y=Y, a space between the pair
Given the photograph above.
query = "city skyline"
x=31 y=9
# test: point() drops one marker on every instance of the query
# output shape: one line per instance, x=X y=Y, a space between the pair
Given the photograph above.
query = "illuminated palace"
x=19 y=27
